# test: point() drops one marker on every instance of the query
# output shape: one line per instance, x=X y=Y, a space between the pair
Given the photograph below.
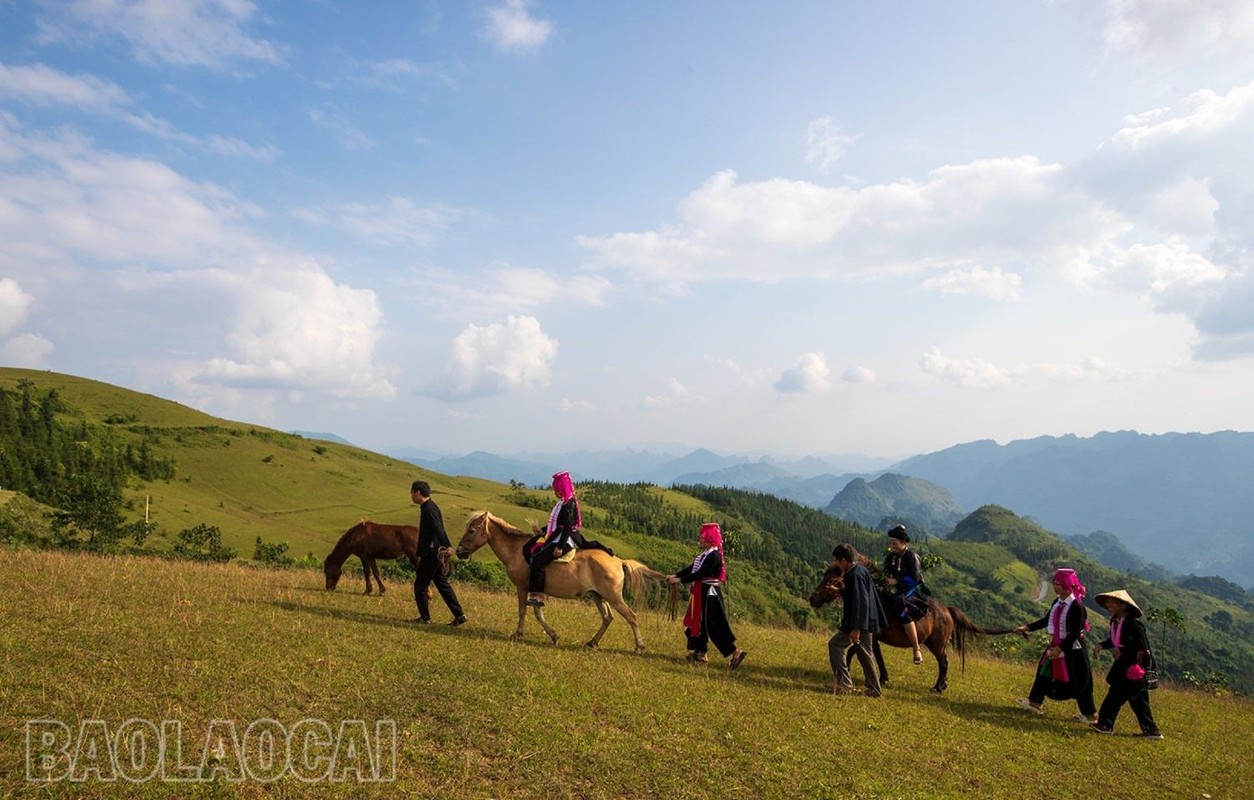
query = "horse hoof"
x=640 y=650
x=591 y=645
x=513 y=637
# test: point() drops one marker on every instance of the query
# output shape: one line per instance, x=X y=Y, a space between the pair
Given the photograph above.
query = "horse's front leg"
x=522 y=614
x=544 y=623
x=366 y=564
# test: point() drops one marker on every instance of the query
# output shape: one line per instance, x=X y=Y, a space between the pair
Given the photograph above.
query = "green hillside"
x=216 y=648
x=252 y=483
x=920 y=504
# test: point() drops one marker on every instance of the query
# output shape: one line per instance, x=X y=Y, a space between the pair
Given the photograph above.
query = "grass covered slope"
x=476 y=715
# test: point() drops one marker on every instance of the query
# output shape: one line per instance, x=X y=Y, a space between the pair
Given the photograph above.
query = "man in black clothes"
x=431 y=538
x=860 y=624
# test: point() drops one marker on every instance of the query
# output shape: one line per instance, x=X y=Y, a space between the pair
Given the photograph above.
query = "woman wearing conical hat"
x=1130 y=645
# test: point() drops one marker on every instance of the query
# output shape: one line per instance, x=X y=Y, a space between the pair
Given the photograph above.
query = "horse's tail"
x=964 y=625
x=637 y=574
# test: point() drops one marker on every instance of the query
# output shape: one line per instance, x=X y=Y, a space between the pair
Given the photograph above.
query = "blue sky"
x=799 y=228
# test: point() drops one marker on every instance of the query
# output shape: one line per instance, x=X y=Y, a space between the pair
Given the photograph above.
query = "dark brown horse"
x=370 y=540
x=937 y=627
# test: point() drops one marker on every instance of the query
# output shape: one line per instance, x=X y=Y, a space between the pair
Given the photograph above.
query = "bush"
x=202 y=543
x=274 y=555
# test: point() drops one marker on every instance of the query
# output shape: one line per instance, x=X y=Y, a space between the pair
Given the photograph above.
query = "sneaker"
x=1097 y=727
x=1086 y=720
x=1028 y=705
x=421 y=621
x=460 y=620
x=1151 y=735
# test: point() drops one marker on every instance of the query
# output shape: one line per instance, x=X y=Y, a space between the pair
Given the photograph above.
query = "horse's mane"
x=500 y=523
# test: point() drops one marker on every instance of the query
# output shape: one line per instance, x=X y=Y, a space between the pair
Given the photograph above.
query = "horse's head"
x=830 y=586
x=333 y=565
x=333 y=572
x=476 y=534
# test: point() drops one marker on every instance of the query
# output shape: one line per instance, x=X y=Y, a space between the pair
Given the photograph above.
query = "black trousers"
x=1136 y=695
x=542 y=558
x=428 y=572
x=714 y=628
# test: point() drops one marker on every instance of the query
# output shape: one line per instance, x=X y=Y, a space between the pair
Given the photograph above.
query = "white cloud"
x=27 y=350
x=568 y=406
x=826 y=143
x=14 y=305
x=499 y=358
x=1161 y=269
x=250 y=314
x=856 y=374
x=976 y=373
x=45 y=87
x=1198 y=115
x=205 y=33
x=979 y=282
x=66 y=198
x=504 y=289
x=1167 y=31
x=295 y=328
x=1003 y=210
x=399 y=220
x=511 y=28
x=971 y=373
x=676 y=394
x=809 y=374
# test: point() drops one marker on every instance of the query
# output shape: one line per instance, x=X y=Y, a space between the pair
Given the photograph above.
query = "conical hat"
x=1133 y=608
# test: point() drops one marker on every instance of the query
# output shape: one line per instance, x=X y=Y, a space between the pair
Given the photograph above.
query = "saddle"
x=529 y=549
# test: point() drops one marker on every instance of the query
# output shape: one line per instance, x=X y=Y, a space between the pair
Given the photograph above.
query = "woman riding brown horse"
x=935 y=629
x=368 y=541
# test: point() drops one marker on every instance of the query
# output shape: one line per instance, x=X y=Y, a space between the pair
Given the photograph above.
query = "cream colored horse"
x=591 y=571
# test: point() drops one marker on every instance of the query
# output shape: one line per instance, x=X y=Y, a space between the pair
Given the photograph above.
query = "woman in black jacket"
x=1127 y=675
x=1063 y=672
x=706 y=618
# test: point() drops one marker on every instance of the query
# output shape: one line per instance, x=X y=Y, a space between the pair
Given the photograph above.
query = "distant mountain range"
x=1181 y=501
x=816 y=479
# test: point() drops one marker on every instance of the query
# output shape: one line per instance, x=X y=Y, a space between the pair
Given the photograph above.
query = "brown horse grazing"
x=370 y=540
x=937 y=627
x=591 y=571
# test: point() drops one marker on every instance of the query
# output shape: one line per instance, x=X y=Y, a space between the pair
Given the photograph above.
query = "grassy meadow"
x=115 y=639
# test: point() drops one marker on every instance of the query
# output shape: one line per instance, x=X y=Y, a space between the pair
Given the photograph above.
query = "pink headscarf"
x=712 y=536
x=1068 y=578
x=564 y=488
